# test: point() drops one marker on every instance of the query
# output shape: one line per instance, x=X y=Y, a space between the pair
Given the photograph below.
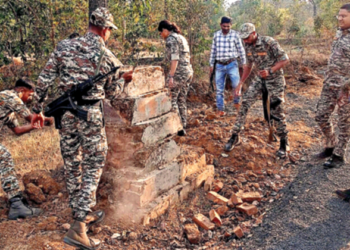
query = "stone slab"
x=154 y=157
x=160 y=128
x=145 y=79
x=150 y=107
x=144 y=190
x=142 y=108
x=193 y=161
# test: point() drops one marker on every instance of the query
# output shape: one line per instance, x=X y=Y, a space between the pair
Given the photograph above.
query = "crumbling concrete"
x=148 y=171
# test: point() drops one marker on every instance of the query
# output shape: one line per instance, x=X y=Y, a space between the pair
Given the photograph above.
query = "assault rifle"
x=212 y=78
x=268 y=105
x=72 y=98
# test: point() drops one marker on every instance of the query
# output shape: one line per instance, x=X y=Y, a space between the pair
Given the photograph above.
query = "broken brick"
x=222 y=210
x=217 y=186
x=238 y=232
x=203 y=222
x=214 y=217
x=215 y=197
x=230 y=204
x=241 y=179
x=236 y=200
x=251 y=196
x=247 y=208
x=208 y=184
x=192 y=233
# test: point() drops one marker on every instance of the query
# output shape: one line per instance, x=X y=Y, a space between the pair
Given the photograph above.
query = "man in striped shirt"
x=226 y=49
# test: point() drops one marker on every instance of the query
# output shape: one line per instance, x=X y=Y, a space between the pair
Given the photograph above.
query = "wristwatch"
x=270 y=71
x=170 y=76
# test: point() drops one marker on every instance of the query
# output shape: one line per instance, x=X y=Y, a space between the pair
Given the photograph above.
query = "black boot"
x=233 y=142
x=327 y=152
x=284 y=148
x=344 y=194
x=20 y=210
x=181 y=132
x=334 y=162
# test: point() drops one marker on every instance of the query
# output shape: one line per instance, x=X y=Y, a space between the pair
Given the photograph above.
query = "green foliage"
x=32 y=28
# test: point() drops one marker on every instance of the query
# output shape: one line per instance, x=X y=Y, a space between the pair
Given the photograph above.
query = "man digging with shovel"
x=269 y=58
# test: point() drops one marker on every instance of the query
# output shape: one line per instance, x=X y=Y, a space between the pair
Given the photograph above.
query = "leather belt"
x=226 y=62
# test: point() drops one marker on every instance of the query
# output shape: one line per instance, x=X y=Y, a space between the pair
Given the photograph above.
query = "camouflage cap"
x=246 y=30
x=103 y=18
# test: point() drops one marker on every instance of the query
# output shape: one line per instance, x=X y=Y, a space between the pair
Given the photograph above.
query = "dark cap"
x=226 y=19
x=24 y=83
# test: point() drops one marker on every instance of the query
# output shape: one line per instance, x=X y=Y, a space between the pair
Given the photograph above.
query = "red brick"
x=215 y=197
x=203 y=222
x=248 y=209
x=251 y=196
x=208 y=184
x=236 y=200
x=192 y=233
x=230 y=204
x=217 y=186
x=238 y=232
x=222 y=210
x=214 y=217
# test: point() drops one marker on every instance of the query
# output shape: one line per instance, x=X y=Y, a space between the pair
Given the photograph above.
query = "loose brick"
x=208 y=184
x=203 y=222
x=222 y=210
x=248 y=209
x=192 y=233
x=251 y=196
x=230 y=204
x=215 y=197
x=217 y=186
x=236 y=200
x=214 y=217
x=238 y=232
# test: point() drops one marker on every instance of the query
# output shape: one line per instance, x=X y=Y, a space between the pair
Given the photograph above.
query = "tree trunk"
x=315 y=10
x=314 y=5
x=94 y=4
x=166 y=14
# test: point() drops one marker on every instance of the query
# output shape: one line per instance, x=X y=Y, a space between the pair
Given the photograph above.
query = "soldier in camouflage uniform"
x=11 y=104
x=181 y=72
x=269 y=58
x=83 y=143
x=336 y=92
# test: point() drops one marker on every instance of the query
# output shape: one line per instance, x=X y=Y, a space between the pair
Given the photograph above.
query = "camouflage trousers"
x=84 y=150
x=329 y=99
x=276 y=89
x=8 y=177
x=179 y=96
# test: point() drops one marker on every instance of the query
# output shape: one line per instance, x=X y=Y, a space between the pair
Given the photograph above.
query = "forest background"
x=32 y=28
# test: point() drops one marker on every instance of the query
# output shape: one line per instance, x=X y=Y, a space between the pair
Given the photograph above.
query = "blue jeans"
x=220 y=78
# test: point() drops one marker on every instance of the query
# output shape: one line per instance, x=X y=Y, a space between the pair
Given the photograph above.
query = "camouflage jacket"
x=10 y=105
x=339 y=61
x=75 y=60
x=177 y=49
x=265 y=53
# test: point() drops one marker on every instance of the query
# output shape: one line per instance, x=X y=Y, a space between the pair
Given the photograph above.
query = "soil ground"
x=298 y=210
